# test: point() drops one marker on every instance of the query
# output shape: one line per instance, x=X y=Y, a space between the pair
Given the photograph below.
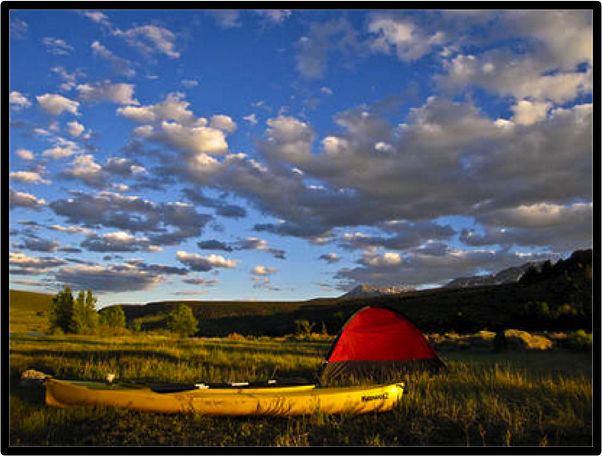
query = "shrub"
x=113 y=317
x=580 y=341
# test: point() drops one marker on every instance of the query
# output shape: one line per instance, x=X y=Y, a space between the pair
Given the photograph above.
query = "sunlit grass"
x=539 y=398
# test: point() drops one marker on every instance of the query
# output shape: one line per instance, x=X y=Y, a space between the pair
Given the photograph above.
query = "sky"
x=293 y=154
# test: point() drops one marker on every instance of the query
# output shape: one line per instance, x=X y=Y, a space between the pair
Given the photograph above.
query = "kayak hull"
x=281 y=401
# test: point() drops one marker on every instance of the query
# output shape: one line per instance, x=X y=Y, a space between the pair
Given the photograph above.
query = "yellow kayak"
x=274 y=401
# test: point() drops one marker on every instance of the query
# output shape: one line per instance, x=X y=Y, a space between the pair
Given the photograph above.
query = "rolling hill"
x=27 y=311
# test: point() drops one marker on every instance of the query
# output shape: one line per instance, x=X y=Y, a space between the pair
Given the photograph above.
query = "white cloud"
x=110 y=278
x=173 y=124
x=26 y=261
x=567 y=35
x=19 y=199
x=251 y=118
x=541 y=215
x=199 y=263
x=527 y=112
x=75 y=128
x=98 y=17
x=401 y=36
x=173 y=108
x=189 y=83
x=25 y=154
x=57 y=46
x=549 y=68
x=224 y=123
x=28 y=177
x=54 y=104
x=150 y=39
x=385 y=260
x=117 y=241
x=119 y=93
x=275 y=16
x=18 y=100
x=59 y=152
x=561 y=228
x=199 y=140
x=87 y=170
x=260 y=270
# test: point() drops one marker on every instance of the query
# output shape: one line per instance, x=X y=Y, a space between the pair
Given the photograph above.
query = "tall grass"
x=484 y=400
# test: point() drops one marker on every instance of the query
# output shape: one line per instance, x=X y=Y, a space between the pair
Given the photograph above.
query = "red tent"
x=378 y=343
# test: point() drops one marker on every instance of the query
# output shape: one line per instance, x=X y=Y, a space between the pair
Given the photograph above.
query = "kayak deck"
x=274 y=401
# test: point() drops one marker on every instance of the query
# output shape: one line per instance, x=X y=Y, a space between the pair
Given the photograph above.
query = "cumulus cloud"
x=37 y=244
x=29 y=265
x=114 y=278
x=55 y=105
x=401 y=36
x=201 y=281
x=28 y=177
x=120 y=93
x=18 y=101
x=118 y=241
x=172 y=123
x=222 y=208
x=214 y=244
x=19 y=199
x=260 y=270
x=18 y=29
x=25 y=154
x=253 y=243
x=199 y=263
x=75 y=128
x=549 y=68
x=164 y=223
x=85 y=169
x=562 y=228
x=330 y=257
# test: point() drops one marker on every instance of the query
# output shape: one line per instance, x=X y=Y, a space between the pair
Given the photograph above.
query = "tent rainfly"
x=378 y=343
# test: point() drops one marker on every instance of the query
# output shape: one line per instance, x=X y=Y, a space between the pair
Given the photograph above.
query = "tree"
x=113 y=317
x=85 y=317
x=181 y=321
x=60 y=312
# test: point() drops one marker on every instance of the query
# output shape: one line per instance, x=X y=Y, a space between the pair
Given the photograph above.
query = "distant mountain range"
x=363 y=290
x=509 y=275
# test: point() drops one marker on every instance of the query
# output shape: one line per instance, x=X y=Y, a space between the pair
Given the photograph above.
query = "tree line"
x=69 y=315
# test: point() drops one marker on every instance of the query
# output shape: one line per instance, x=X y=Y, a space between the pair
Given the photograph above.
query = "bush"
x=522 y=340
x=303 y=328
x=580 y=341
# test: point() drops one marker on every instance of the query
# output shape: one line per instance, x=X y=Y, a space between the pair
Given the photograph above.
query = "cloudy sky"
x=285 y=155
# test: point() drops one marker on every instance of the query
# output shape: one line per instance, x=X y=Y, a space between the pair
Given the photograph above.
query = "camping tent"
x=378 y=343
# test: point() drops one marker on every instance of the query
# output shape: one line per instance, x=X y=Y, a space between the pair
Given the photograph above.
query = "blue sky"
x=285 y=155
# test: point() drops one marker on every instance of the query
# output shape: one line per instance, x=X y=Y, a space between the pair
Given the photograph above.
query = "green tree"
x=60 y=312
x=113 y=317
x=85 y=317
x=181 y=321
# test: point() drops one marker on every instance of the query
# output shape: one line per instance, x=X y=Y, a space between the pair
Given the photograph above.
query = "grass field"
x=27 y=311
x=509 y=399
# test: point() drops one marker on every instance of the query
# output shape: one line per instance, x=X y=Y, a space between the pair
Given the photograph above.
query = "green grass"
x=510 y=399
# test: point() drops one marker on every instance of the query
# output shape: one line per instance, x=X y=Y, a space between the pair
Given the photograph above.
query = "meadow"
x=514 y=398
